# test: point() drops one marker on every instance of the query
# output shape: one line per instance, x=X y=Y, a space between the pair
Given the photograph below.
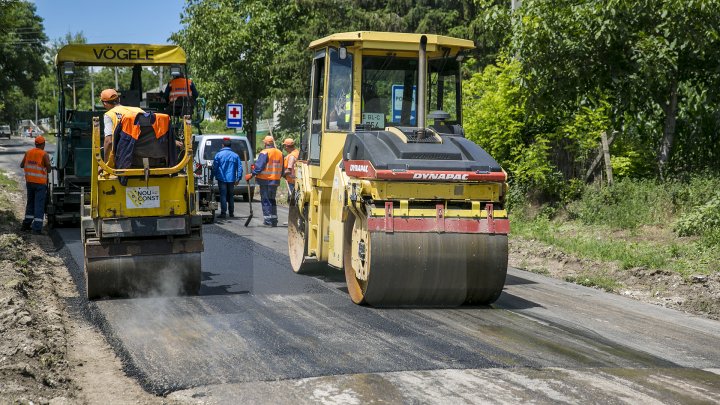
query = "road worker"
x=268 y=170
x=289 y=165
x=180 y=86
x=36 y=164
x=113 y=116
x=227 y=169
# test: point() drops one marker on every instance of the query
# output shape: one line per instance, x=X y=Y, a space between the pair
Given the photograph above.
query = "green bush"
x=700 y=220
x=627 y=204
x=215 y=127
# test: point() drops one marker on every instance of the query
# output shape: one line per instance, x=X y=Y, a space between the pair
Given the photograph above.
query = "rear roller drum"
x=422 y=269
x=135 y=276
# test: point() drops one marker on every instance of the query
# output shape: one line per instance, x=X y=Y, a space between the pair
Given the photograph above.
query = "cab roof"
x=121 y=55
x=392 y=41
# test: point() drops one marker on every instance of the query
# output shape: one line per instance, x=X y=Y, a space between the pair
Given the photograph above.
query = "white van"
x=5 y=131
x=207 y=146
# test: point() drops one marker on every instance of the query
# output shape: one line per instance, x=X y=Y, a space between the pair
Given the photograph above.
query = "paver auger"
x=141 y=231
x=414 y=214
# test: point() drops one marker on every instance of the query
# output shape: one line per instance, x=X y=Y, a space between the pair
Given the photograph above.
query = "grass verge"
x=648 y=247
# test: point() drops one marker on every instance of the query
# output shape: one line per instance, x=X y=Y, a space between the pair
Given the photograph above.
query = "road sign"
x=397 y=95
x=234 y=114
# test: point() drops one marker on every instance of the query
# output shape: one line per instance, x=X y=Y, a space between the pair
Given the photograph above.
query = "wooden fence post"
x=606 y=153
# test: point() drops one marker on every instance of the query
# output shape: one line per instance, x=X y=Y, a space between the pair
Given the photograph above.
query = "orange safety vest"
x=290 y=177
x=180 y=87
x=274 y=167
x=116 y=113
x=35 y=170
x=161 y=126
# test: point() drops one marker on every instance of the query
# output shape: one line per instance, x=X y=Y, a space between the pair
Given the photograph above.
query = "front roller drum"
x=143 y=276
x=298 y=232
x=423 y=269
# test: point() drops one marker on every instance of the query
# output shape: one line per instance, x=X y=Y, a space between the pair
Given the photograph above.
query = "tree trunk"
x=250 y=127
x=670 y=109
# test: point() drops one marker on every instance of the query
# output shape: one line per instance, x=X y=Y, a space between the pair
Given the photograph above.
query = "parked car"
x=5 y=131
x=207 y=146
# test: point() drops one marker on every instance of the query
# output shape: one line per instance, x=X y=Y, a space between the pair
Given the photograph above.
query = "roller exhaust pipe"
x=422 y=90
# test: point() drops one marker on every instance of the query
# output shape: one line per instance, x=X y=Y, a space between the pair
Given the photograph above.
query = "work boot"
x=232 y=215
x=36 y=232
x=24 y=227
x=221 y=215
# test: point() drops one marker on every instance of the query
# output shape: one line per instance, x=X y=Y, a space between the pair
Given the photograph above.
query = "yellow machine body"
x=145 y=237
x=413 y=214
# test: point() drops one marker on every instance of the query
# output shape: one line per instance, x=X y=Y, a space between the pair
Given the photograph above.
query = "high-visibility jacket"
x=180 y=87
x=116 y=113
x=35 y=170
x=290 y=177
x=143 y=136
x=274 y=166
x=348 y=109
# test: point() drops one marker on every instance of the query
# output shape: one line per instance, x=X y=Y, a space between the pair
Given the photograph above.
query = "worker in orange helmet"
x=268 y=170
x=289 y=165
x=36 y=164
x=113 y=117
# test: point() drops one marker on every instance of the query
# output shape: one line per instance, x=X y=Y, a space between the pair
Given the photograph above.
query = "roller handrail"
x=140 y=172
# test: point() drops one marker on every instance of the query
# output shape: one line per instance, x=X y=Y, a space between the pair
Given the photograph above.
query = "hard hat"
x=268 y=140
x=109 y=95
x=289 y=142
x=227 y=141
x=39 y=140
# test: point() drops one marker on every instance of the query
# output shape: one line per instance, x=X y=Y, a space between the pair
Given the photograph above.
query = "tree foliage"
x=21 y=64
x=653 y=61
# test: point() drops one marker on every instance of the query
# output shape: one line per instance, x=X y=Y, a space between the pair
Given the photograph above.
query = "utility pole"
x=74 y=98
x=116 y=79
x=160 y=77
x=515 y=4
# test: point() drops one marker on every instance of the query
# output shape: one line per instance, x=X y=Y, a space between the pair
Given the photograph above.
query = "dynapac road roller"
x=141 y=232
x=388 y=188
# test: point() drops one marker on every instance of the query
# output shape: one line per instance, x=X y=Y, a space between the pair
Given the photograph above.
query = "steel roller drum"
x=151 y=275
x=425 y=269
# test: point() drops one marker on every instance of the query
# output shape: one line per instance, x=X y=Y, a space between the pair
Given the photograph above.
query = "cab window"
x=339 y=103
x=213 y=146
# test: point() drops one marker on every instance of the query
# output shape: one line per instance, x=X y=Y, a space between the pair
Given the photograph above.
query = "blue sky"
x=123 y=21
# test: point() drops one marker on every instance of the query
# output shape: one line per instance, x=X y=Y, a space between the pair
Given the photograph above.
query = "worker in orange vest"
x=36 y=164
x=180 y=86
x=268 y=170
x=113 y=116
x=289 y=165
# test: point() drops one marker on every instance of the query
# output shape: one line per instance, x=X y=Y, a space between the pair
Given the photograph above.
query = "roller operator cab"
x=388 y=188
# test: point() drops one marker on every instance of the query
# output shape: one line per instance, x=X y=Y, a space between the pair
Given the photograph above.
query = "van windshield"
x=213 y=146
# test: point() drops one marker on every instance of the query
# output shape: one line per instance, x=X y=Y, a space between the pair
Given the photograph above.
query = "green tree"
x=21 y=50
x=646 y=58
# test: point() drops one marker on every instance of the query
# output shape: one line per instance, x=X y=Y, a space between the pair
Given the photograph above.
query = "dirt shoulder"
x=699 y=295
x=49 y=352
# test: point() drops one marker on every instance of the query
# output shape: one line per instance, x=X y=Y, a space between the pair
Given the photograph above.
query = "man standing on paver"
x=36 y=164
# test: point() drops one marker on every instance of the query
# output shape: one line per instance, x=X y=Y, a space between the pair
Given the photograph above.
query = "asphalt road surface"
x=258 y=333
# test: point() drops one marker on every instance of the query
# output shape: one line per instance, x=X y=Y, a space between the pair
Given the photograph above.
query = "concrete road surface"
x=258 y=333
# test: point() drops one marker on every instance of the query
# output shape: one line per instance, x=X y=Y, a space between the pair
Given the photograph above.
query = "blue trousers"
x=269 y=204
x=227 y=200
x=35 y=207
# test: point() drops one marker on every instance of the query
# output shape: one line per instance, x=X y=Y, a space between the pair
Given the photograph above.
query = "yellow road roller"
x=141 y=232
x=388 y=188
